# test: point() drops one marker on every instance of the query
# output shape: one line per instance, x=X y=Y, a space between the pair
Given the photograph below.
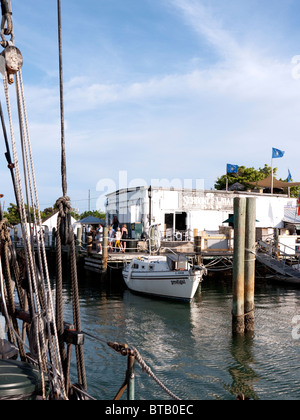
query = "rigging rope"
x=40 y=304
x=65 y=236
x=37 y=288
x=47 y=328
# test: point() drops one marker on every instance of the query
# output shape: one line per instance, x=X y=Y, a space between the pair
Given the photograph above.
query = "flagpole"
x=226 y=179
x=272 y=179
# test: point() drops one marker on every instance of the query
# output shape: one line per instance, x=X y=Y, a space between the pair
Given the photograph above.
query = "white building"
x=181 y=211
x=47 y=227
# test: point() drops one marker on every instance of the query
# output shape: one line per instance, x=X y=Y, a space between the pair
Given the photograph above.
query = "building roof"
x=291 y=215
x=266 y=183
x=237 y=186
x=50 y=217
x=91 y=220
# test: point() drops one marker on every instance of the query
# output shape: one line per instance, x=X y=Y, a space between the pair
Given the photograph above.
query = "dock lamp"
x=150 y=204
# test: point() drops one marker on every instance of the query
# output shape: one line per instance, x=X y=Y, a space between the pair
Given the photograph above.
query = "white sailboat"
x=170 y=276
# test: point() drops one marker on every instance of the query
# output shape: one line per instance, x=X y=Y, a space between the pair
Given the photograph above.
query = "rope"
x=49 y=307
x=125 y=350
x=5 y=242
x=65 y=235
x=39 y=306
x=62 y=119
x=38 y=287
x=149 y=372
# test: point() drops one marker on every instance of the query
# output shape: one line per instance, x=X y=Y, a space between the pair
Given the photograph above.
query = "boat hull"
x=182 y=286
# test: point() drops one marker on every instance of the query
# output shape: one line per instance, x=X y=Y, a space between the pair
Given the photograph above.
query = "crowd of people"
x=117 y=237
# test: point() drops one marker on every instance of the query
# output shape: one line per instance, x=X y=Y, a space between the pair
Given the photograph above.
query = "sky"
x=160 y=92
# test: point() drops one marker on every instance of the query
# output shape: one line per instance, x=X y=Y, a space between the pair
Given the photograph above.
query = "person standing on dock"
x=124 y=233
x=115 y=223
x=99 y=239
x=111 y=238
x=118 y=239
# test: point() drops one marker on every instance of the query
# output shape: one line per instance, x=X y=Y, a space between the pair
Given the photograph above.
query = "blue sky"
x=164 y=90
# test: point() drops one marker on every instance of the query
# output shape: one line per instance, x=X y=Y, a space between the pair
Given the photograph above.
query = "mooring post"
x=79 y=239
x=198 y=249
x=250 y=242
x=105 y=250
x=89 y=241
x=131 y=378
x=238 y=324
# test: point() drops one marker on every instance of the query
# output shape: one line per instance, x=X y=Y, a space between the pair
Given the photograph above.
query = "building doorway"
x=180 y=222
x=169 y=225
x=174 y=223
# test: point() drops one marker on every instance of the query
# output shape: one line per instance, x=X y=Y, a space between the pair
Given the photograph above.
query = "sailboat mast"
x=62 y=118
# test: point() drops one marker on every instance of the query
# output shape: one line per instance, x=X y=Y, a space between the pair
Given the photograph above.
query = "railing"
x=274 y=250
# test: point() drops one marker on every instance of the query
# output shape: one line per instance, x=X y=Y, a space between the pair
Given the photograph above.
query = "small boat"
x=170 y=276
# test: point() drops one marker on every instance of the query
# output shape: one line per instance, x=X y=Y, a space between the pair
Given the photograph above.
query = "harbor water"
x=190 y=347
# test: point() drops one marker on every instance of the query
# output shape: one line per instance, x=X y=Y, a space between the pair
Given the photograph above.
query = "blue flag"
x=289 y=178
x=276 y=153
x=232 y=169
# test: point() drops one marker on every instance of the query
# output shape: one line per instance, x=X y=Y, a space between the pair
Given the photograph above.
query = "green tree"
x=244 y=176
x=48 y=212
x=295 y=192
x=12 y=214
x=94 y=213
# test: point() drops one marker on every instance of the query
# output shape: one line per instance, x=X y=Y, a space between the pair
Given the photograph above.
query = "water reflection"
x=190 y=347
x=243 y=374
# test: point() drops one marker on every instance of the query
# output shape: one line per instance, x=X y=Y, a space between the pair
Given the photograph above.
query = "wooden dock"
x=281 y=270
x=116 y=260
x=94 y=262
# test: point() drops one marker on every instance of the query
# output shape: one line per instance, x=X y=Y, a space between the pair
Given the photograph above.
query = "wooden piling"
x=89 y=241
x=250 y=242
x=198 y=249
x=105 y=250
x=238 y=325
x=79 y=239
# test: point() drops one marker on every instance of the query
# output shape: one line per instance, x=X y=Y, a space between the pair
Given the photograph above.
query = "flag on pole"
x=232 y=169
x=298 y=205
x=289 y=178
x=276 y=153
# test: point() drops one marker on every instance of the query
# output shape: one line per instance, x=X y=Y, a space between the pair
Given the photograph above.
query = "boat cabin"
x=169 y=262
x=177 y=262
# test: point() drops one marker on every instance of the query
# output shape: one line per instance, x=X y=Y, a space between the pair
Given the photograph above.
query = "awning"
x=231 y=220
x=91 y=220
